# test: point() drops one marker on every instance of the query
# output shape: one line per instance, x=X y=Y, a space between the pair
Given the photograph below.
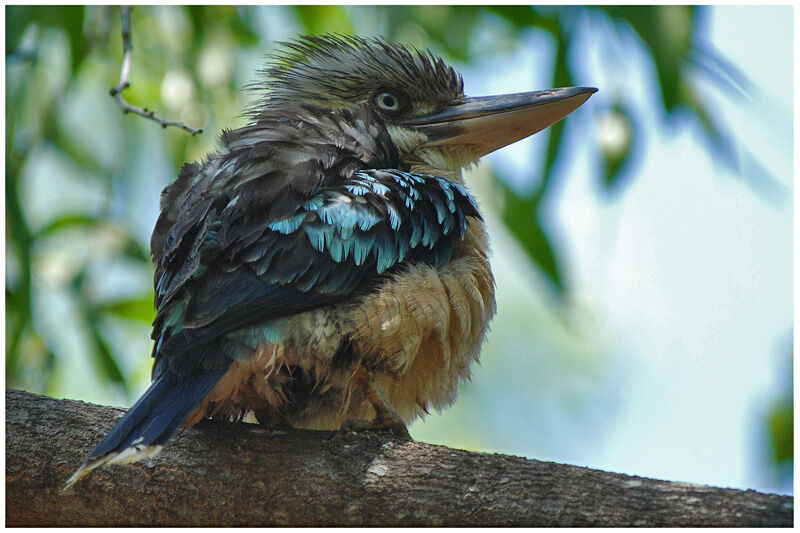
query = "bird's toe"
x=392 y=423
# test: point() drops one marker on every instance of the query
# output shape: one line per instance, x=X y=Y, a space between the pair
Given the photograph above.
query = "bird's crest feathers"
x=348 y=68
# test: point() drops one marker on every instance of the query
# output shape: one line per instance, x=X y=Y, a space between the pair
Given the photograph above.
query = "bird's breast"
x=423 y=328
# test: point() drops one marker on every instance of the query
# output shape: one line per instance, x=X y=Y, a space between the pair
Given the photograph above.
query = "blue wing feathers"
x=334 y=246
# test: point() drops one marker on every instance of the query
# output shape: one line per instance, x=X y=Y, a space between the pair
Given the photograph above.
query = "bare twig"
x=124 y=80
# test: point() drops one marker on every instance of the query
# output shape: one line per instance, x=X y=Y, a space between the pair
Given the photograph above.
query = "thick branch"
x=124 y=80
x=225 y=474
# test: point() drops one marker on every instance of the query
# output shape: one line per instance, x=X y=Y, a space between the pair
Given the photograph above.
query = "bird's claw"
x=390 y=422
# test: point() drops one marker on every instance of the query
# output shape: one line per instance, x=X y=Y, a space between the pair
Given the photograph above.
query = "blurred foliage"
x=780 y=427
x=57 y=55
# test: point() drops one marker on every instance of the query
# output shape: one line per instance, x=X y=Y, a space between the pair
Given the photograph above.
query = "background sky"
x=685 y=281
x=678 y=334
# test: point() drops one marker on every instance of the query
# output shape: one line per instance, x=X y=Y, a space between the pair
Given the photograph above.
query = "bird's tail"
x=152 y=420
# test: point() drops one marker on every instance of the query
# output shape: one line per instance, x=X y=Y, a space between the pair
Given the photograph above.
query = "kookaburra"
x=327 y=265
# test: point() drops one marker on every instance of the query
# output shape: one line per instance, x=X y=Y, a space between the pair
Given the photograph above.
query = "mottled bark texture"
x=224 y=474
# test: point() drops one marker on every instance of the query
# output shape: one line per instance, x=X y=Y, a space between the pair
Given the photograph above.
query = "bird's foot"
x=386 y=416
x=390 y=421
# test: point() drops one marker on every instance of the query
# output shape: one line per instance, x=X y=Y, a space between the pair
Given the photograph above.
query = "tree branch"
x=124 y=80
x=240 y=474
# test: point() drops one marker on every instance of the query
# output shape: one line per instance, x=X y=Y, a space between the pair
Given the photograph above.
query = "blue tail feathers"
x=151 y=421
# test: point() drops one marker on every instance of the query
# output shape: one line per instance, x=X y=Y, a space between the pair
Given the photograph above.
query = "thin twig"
x=124 y=80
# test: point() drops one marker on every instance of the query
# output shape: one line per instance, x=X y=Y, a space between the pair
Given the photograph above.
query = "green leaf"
x=617 y=136
x=20 y=242
x=66 y=222
x=14 y=335
x=70 y=18
x=435 y=20
x=561 y=78
x=102 y=358
x=67 y=18
x=323 y=19
x=104 y=361
x=17 y=20
x=137 y=309
x=133 y=248
x=521 y=217
x=780 y=418
x=238 y=23
x=667 y=31
x=523 y=17
x=781 y=430
x=233 y=19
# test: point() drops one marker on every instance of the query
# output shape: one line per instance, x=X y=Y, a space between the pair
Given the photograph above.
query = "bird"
x=327 y=266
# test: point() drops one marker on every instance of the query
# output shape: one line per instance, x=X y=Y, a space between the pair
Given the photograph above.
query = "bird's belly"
x=419 y=332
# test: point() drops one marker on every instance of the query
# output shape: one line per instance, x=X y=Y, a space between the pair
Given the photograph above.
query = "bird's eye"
x=387 y=101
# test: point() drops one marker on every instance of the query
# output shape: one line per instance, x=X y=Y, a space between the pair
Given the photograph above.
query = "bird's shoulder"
x=270 y=166
x=293 y=214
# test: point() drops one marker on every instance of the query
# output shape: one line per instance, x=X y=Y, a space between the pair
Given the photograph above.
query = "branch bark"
x=240 y=474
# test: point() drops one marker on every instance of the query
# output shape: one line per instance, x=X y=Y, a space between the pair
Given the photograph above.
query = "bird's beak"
x=486 y=123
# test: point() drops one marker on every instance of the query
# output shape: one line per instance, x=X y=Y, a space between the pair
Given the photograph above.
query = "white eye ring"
x=387 y=101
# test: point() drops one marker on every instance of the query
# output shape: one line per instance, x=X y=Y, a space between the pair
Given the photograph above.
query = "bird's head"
x=434 y=126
